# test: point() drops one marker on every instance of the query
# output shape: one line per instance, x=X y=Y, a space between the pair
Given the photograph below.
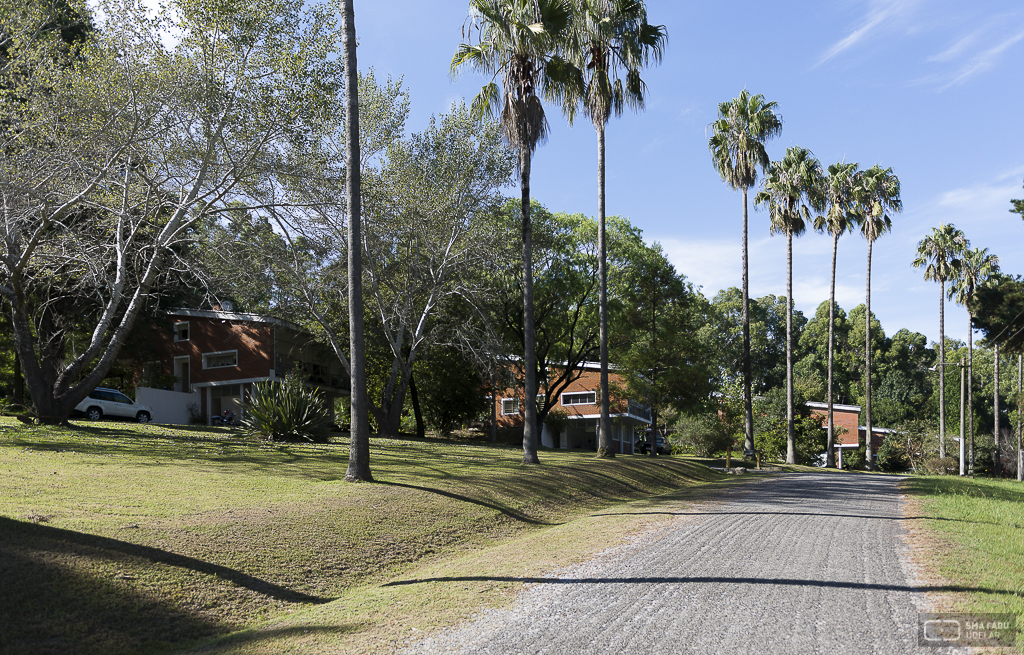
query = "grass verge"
x=120 y=538
x=975 y=527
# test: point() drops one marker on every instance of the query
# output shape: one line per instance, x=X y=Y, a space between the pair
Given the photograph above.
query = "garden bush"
x=287 y=411
x=893 y=455
x=703 y=434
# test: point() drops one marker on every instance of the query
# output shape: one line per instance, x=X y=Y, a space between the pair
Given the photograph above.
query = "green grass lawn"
x=979 y=525
x=122 y=538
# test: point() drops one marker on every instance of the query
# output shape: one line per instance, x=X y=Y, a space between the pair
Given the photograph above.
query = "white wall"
x=169 y=407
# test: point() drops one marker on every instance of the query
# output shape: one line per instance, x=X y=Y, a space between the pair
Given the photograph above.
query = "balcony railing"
x=636 y=409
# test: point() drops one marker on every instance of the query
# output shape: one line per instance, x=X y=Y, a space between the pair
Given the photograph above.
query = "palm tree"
x=792 y=190
x=976 y=267
x=939 y=252
x=879 y=193
x=517 y=41
x=359 y=449
x=610 y=37
x=737 y=150
x=841 y=215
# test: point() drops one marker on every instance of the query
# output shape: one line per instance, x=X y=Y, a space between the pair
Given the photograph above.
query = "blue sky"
x=932 y=89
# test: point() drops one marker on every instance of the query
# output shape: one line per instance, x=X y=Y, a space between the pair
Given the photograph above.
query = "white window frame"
x=515 y=405
x=177 y=331
x=591 y=394
x=206 y=357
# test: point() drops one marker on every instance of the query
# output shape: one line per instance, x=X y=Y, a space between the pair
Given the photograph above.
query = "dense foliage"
x=286 y=411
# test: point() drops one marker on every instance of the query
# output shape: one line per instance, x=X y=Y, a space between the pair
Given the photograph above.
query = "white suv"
x=111 y=402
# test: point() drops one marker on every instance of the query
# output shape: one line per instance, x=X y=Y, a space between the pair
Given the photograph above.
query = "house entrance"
x=227 y=397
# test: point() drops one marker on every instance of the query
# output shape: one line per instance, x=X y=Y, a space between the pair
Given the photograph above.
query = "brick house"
x=579 y=400
x=852 y=433
x=215 y=357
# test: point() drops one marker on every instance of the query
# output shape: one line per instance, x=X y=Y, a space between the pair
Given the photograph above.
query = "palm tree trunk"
x=359 y=430
x=868 y=458
x=970 y=390
x=604 y=438
x=530 y=436
x=942 y=369
x=830 y=455
x=790 y=431
x=997 y=463
x=748 y=414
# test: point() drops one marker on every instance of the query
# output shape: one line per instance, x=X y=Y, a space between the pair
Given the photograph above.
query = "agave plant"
x=286 y=411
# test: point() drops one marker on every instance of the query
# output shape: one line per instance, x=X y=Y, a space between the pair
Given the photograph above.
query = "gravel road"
x=791 y=564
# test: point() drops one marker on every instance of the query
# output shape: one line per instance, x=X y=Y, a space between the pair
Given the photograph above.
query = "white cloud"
x=881 y=15
x=985 y=198
x=958 y=48
x=984 y=60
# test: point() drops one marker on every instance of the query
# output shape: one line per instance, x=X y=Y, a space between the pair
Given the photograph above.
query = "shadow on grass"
x=28 y=533
x=789 y=582
x=268 y=636
x=54 y=603
x=466 y=499
x=1005 y=490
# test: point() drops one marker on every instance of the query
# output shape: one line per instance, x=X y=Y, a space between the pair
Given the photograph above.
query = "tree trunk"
x=421 y=428
x=869 y=461
x=942 y=369
x=830 y=455
x=748 y=414
x=997 y=463
x=19 y=382
x=790 y=431
x=494 y=412
x=963 y=384
x=1020 y=406
x=604 y=438
x=970 y=392
x=530 y=436
x=359 y=430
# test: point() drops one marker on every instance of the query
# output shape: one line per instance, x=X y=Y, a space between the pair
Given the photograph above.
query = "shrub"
x=557 y=420
x=854 y=458
x=893 y=454
x=940 y=466
x=286 y=411
x=703 y=434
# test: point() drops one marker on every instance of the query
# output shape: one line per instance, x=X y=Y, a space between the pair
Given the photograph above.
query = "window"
x=509 y=406
x=221 y=359
x=181 y=331
x=580 y=398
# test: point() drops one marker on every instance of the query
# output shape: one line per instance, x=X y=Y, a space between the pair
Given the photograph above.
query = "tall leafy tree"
x=841 y=216
x=611 y=39
x=792 y=190
x=977 y=266
x=940 y=254
x=657 y=352
x=518 y=41
x=878 y=196
x=115 y=160
x=737 y=151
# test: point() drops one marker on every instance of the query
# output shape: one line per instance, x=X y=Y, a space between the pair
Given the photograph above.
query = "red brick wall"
x=841 y=419
x=589 y=380
x=254 y=343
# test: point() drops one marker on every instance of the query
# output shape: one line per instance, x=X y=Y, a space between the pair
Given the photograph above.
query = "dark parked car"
x=661 y=446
